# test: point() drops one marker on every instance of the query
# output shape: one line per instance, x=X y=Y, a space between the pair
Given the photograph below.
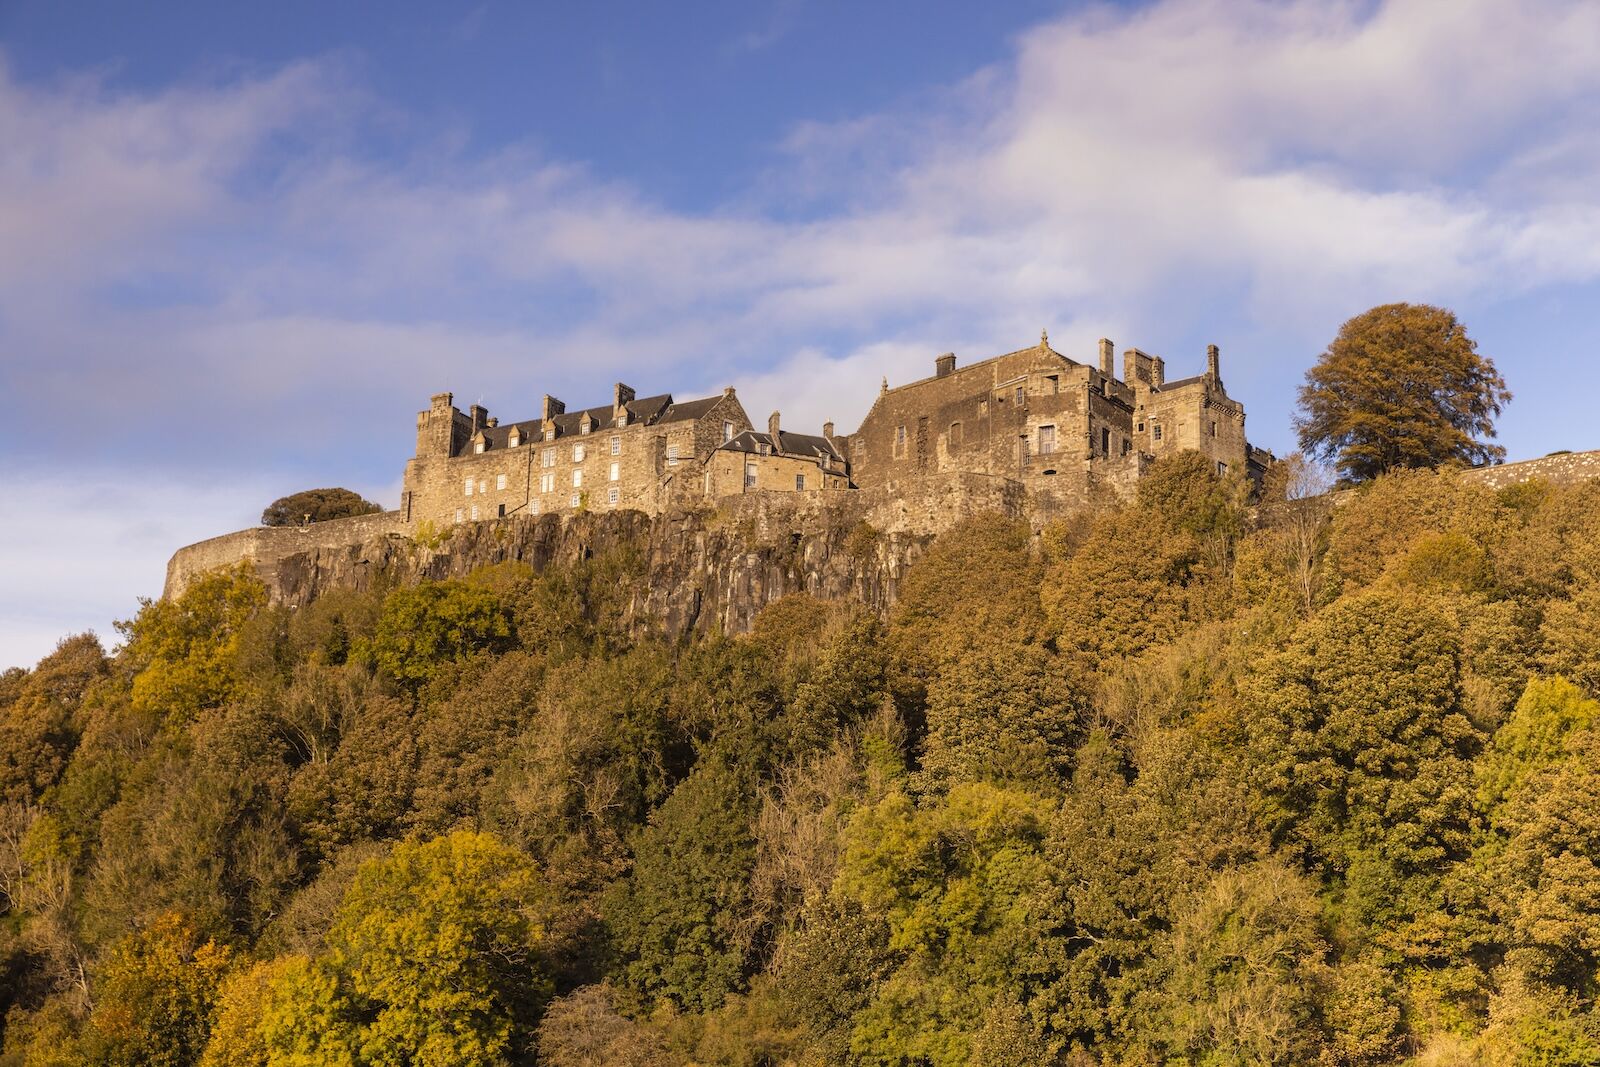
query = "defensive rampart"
x=1559 y=468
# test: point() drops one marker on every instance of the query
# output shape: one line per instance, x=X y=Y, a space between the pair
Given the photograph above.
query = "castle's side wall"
x=265 y=545
x=1562 y=468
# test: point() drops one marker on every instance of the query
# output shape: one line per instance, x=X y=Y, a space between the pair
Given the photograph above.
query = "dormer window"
x=586 y=426
x=622 y=417
x=514 y=440
x=477 y=446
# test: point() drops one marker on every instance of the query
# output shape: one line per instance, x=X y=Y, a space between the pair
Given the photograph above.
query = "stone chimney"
x=1107 y=357
x=1213 y=365
x=621 y=397
x=492 y=422
x=944 y=365
x=772 y=432
x=827 y=430
x=551 y=408
x=480 y=417
x=1158 y=371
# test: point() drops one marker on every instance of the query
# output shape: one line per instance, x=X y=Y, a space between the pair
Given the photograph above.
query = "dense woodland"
x=1183 y=781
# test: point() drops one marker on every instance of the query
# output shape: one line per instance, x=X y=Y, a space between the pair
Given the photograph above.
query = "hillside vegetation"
x=1174 y=783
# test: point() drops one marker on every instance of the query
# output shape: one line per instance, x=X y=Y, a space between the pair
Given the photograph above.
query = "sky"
x=241 y=245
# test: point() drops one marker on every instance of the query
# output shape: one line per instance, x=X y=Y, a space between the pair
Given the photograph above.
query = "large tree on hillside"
x=1402 y=385
x=316 y=505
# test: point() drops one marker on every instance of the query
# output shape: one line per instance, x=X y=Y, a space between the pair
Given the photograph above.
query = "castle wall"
x=1562 y=468
x=724 y=474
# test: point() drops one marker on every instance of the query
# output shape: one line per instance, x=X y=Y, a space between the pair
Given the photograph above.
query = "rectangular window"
x=616 y=472
x=483 y=485
x=1126 y=446
x=899 y=440
x=1155 y=430
x=749 y=475
x=1055 y=383
x=474 y=513
x=577 y=498
x=502 y=511
x=672 y=453
x=800 y=483
x=1222 y=468
x=1105 y=441
x=550 y=435
x=577 y=479
x=1022 y=393
x=547 y=458
x=579 y=453
x=955 y=434
x=1213 y=429
x=469 y=487
x=616 y=446
x=1141 y=427
x=547 y=483
x=458 y=514
x=586 y=427
x=1047 y=440
x=500 y=481
x=727 y=432
x=613 y=495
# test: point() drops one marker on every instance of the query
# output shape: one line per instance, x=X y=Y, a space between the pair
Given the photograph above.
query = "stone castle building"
x=1060 y=430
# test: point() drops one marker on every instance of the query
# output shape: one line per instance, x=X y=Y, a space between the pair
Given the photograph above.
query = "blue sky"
x=240 y=245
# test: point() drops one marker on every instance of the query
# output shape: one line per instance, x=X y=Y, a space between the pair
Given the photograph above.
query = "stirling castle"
x=1049 y=426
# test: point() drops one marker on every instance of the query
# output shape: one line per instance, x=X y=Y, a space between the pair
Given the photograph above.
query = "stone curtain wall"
x=1561 y=469
x=265 y=546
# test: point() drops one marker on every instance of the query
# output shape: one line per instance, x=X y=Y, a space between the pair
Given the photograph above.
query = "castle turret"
x=436 y=426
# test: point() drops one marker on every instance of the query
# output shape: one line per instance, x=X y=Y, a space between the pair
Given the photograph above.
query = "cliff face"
x=714 y=568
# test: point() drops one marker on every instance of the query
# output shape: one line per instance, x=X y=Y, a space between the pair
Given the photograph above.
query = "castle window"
x=469 y=487
x=1047 y=440
x=474 y=513
x=550 y=434
x=1141 y=427
x=616 y=471
x=548 y=458
x=1213 y=429
x=1105 y=441
x=727 y=432
x=1126 y=446
x=458 y=514
x=1155 y=430
x=578 y=453
x=577 y=479
x=1055 y=383
x=613 y=495
x=502 y=511
x=514 y=440
x=616 y=446
x=483 y=486
x=764 y=448
x=477 y=446
x=577 y=499
x=547 y=483
x=899 y=440
x=800 y=483
x=586 y=426
x=749 y=475
x=955 y=434
x=500 y=481
x=1022 y=393
x=672 y=452
x=983 y=406
x=1222 y=468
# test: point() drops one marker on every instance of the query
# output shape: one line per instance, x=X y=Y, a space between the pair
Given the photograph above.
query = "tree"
x=435 y=623
x=432 y=960
x=1402 y=385
x=316 y=505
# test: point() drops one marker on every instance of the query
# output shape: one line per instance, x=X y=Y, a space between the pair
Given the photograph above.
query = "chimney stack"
x=1213 y=365
x=772 y=432
x=1158 y=371
x=827 y=430
x=944 y=365
x=480 y=416
x=621 y=397
x=551 y=408
x=1106 y=357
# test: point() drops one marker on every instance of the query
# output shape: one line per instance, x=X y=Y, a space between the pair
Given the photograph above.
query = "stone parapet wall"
x=265 y=546
x=1562 y=468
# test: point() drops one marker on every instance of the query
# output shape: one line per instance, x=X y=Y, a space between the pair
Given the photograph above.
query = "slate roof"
x=647 y=410
x=794 y=444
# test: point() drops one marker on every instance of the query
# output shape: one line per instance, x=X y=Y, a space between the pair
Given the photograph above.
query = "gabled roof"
x=690 y=409
x=794 y=444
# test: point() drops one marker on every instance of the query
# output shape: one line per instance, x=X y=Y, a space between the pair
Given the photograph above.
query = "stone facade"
x=1065 y=430
x=627 y=455
x=776 y=461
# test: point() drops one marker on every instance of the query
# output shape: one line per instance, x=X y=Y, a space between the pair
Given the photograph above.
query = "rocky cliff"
x=710 y=568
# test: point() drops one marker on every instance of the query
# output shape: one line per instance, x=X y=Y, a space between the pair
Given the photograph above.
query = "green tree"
x=1402 y=385
x=435 y=623
x=316 y=505
x=433 y=959
x=183 y=650
x=155 y=997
